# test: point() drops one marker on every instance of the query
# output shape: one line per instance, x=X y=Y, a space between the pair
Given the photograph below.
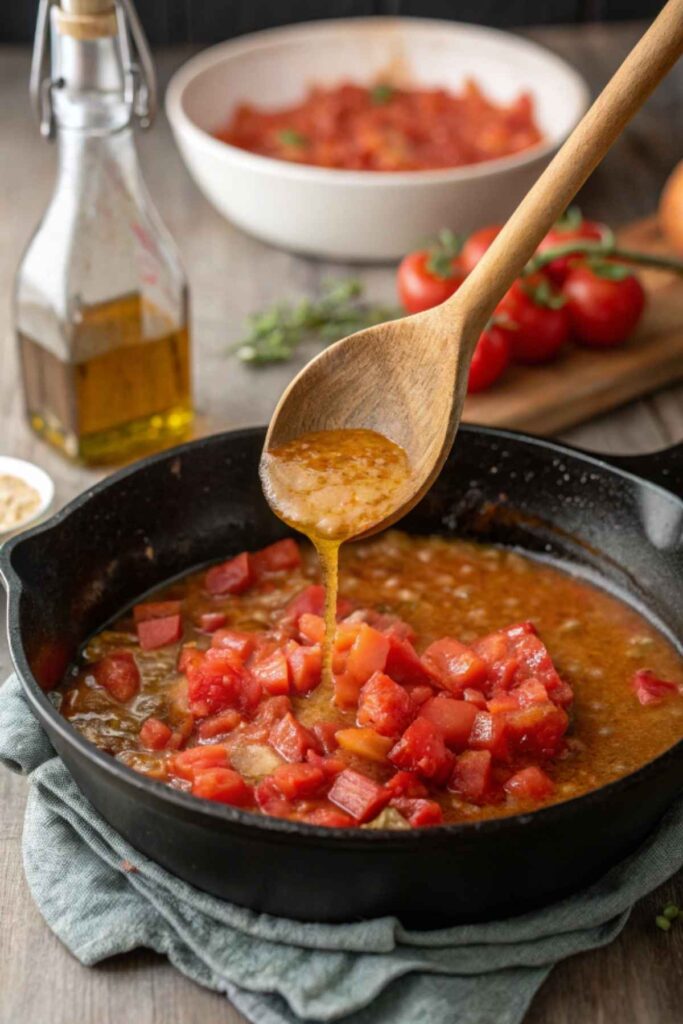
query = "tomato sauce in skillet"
x=468 y=682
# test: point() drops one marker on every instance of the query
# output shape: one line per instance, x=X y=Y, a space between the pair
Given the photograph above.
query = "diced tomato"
x=305 y=667
x=406 y=784
x=194 y=759
x=231 y=577
x=155 y=734
x=489 y=732
x=403 y=664
x=419 y=694
x=368 y=653
x=218 y=725
x=189 y=655
x=271 y=800
x=283 y=554
x=649 y=689
x=453 y=718
x=454 y=666
x=273 y=673
x=365 y=743
x=311 y=628
x=272 y=709
x=223 y=785
x=310 y=601
x=345 y=637
x=297 y=781
x=537 y=730
x=502 y=701
x=472 y=777
x=214 y=681
x=291 y=739
x=328 y=816
x=153 y=633
x=119 y=674
x=419 y=813
x=346 y=691
x=155 y=610
x=330 y=765
x=385 y=706
x=532 y=691
x=211 y=621
x=529 y=784
x=422 y=749
x=241 y=643
x=516 y=654
x=326 y=732
x=392 y=625
x=358 y=795
x=475 y=697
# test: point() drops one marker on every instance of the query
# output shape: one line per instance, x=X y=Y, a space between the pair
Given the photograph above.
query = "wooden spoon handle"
x=643 y=69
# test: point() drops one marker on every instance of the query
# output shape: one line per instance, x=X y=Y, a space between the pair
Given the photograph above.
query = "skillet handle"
x=664 y=468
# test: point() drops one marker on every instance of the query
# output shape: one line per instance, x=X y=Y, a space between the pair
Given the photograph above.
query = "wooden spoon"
x=407 y=379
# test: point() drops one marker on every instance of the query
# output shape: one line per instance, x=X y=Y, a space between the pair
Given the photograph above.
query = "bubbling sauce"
x=333 y=485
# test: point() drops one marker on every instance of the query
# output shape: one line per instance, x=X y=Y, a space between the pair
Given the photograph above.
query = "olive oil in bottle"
x=101 y=300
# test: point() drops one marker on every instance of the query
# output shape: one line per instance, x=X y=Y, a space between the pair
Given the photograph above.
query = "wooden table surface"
x=637 y=979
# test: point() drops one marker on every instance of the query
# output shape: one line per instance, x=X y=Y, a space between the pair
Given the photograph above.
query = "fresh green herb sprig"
x=275 y=334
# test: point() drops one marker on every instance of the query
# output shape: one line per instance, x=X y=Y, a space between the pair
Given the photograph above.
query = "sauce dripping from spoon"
x=333 y=485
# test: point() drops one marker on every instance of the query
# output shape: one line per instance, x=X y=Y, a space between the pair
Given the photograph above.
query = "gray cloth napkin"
x=101 y=897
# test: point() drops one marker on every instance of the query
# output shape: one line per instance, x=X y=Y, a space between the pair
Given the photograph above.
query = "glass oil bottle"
x=101 y=300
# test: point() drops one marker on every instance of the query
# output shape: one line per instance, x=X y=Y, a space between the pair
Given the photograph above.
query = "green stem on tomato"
x=605 y=248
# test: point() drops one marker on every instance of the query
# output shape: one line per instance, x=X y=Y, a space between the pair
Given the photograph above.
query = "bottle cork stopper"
x=86 y=19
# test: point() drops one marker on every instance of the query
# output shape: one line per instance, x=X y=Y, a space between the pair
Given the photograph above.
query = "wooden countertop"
x=636 y=980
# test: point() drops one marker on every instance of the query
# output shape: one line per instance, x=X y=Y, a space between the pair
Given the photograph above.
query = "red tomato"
x=153 y=633
x=649 y=689
x=569 y=230
x=422 y=749
x=543 y=324
x=420 y=287
x=118 y=673
x=223 y=785
x=453 y=718
x=491 y=358
x=231 y=577
x=385 y=706
x=529 y=784
x=154 y=734
x=359 y=796
x=476 y=245
x=605 y=302
x=454 y=666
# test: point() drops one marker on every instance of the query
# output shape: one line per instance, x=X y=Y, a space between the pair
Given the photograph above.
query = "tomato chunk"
x=385 y=706
x=273 y=673
x=346 y=690
x=231 y=577
x=211 y=621
x=454 y=666
x=271 y=800
x=422 y=749
x=358 y=795
x=223 y=785
x=649 y=689
x=155 y=734
x=119 y=674
x=311 y=628
x=214 y=681
x=297 y=781
x=537 y=730
x=328 y=816
x=310 y=601
x=305 y=666
x=283 y=554
x=403 y=663
x=368 y=653
x=406 y=784
x=490 y=732
x=326 y=733
x=516 y=654
x=419 y=813
x=186 y=763
x=291 y=739
x=155 y=610
x=241 y=643
x=153 y=633
x=472 y=777
x=365 y=743
x=218 y=725
x=529 y=784
x=453 y=718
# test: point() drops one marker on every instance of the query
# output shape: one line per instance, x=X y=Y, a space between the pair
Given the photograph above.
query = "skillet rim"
x=278 y=829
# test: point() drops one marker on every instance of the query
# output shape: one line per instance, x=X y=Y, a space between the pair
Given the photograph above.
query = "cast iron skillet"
x=202 y=502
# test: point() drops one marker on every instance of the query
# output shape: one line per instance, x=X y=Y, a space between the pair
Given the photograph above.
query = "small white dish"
x=364 y=215
x=35 y=477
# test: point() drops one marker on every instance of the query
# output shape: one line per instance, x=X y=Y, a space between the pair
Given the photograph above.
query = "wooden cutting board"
x=585 y=382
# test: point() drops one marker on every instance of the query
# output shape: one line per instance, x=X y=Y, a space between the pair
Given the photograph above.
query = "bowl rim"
x=277 y=829
x=206 y=59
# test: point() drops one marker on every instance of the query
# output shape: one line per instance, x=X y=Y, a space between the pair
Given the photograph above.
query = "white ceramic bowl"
x=35 y=477
x=363 y=215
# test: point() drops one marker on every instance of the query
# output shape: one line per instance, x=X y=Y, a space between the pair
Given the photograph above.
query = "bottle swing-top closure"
x=87 y=21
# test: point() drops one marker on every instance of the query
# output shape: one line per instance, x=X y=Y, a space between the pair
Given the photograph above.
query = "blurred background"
x=208 y=21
